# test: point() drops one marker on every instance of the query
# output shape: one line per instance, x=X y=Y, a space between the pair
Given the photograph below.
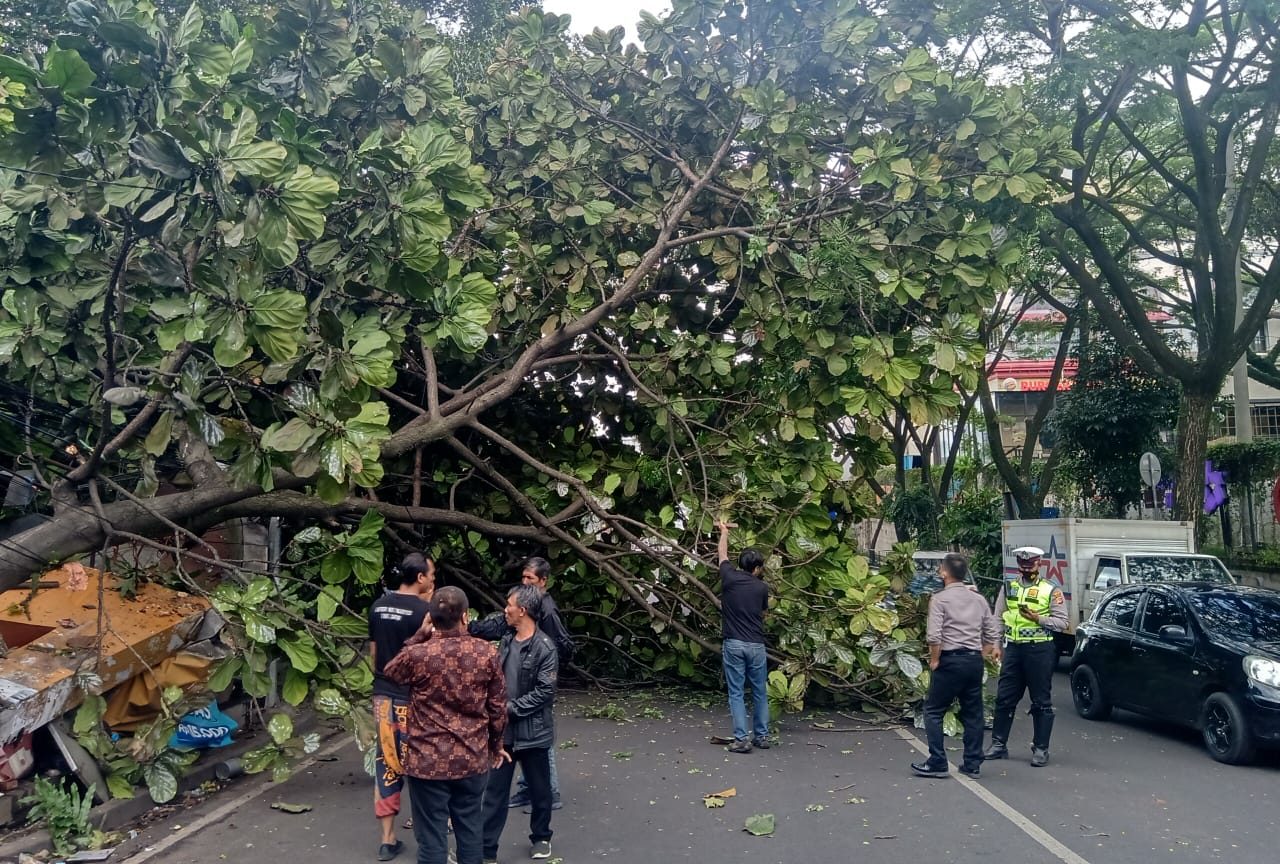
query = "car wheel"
x=1086 y=692
x=1226 y=732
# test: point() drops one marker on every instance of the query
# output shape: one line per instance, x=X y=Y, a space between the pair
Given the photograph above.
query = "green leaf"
x=67 y=70
x=127 y=36
x=157 y=440
x=224 y=674
x=190 y=28
x=760 y=825
x=331 y=702
x=301 y=652
x=966 y=129
x=159 y=152
x=414 y=100
x=295 y=688
x=119 y=786
x=162 y=784
x=280 y=727
x=258 y=158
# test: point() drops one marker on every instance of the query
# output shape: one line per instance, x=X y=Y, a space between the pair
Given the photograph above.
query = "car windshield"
x=1251 y=616
x=1176 y=568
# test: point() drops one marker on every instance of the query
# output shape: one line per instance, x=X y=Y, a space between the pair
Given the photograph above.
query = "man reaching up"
x=744 y=598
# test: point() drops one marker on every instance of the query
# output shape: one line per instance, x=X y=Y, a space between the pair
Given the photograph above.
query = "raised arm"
x=723 y=549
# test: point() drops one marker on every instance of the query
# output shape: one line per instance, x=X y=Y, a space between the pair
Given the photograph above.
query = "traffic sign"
x=1149 y=469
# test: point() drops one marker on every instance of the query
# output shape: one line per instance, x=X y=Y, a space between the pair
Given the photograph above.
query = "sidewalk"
x=633 y=794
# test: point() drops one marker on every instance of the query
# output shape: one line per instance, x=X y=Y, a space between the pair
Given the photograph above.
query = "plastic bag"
x=204 y=729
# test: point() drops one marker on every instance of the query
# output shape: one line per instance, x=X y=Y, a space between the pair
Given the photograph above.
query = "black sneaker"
x=387 y=851
x=520 y=799
x=974 y=771
x=762 y=743
x=541 y=849
x=924 y=769
x=742 y=745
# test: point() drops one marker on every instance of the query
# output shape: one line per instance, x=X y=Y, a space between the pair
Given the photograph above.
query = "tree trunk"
x=1194 y=414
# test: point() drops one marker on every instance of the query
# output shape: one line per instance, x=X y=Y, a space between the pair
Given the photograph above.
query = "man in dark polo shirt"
x=744 y=598
x=960 y=631
x=393 y=618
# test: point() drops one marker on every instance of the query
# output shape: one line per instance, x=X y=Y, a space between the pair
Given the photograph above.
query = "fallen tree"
x=278 y=267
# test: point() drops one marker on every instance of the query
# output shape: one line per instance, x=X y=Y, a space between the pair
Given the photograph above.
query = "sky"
x=590 y=14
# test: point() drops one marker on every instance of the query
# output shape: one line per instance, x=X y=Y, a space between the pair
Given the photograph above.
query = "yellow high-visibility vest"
x=1039 y=598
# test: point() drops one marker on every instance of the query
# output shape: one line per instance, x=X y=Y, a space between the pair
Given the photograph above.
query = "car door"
x=1109 y=648
x=1169 y=677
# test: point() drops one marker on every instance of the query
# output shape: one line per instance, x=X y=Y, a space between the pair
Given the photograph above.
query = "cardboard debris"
x=37 y=676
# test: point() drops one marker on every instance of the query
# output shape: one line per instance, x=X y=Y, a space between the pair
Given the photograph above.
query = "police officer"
x=961 y=629
x=1032 y=610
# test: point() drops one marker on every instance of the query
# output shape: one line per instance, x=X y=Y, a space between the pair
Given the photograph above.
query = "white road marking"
x=230 y=807
x=998 y=804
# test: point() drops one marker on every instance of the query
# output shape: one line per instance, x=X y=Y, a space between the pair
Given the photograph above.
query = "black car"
x=1205 y=655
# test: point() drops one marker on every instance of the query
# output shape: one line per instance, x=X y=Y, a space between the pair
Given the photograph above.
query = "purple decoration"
x=1215 y=488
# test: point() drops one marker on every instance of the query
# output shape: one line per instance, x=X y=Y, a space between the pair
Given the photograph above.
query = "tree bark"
x=1194 y=414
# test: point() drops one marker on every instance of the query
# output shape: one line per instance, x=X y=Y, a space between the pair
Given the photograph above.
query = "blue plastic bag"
x=204 y=729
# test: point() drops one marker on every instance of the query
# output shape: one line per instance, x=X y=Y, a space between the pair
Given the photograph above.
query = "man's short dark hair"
x=541 y=567
x=410 y=568
x=957 y=565
x=448 y=607
x=750 y=559
x=528 y=598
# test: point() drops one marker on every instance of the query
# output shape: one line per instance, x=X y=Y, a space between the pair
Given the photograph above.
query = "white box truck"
x=1088 y=557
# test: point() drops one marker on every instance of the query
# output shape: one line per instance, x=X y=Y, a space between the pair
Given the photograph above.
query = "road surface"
x=1123 y=792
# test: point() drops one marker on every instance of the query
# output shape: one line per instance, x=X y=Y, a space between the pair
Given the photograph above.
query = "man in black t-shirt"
x=393 y=618
x=744 y=598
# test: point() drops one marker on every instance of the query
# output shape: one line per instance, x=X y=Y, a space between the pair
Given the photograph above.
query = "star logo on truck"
x=1055 y=563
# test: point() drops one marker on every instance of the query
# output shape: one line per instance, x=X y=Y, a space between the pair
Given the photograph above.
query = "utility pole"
x=1240 y=376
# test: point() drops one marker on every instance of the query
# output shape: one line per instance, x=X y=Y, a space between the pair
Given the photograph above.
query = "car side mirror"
x=1106 y=583
x=1175 y=634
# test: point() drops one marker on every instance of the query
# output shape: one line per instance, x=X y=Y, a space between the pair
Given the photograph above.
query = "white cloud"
x=605 y=14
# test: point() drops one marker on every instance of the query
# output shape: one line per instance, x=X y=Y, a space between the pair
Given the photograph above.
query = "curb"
x=119 y=813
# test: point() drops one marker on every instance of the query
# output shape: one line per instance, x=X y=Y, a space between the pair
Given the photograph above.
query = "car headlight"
x=1263 y=670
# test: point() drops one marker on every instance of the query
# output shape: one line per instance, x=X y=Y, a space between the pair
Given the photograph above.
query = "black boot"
x=997 y=750
x=1042 y=729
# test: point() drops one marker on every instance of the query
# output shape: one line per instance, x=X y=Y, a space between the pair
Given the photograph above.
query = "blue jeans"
x=746 y=663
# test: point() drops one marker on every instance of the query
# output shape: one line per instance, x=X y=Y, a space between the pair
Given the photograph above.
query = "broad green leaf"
x=295 y=688
x=258 y=158
x=67 y=70
x=760 y=825
x=159 y=152
x=280 y=727
x=190 y=28
x=301 y=651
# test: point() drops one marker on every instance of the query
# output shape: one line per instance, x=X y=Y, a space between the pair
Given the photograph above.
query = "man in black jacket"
x=530 y=665
x=535 y=572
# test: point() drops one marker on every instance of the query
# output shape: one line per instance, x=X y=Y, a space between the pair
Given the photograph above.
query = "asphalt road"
x=1125 y=791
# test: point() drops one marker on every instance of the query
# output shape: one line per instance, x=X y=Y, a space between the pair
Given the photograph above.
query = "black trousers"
x=958 y=676
x=536 y=765
x=434 y=803
x=1027 y=667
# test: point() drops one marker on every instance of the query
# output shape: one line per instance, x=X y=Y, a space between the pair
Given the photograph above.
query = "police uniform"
x=1030 y=656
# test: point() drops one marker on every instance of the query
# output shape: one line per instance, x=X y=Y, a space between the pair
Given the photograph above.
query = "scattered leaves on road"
x=568 y=744
x=759 y=825
x=623 y=754
x=711 y=802
x=815 y=808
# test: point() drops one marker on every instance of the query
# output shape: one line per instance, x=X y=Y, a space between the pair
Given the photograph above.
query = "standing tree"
x=1175 y=109
x=1113 y=415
